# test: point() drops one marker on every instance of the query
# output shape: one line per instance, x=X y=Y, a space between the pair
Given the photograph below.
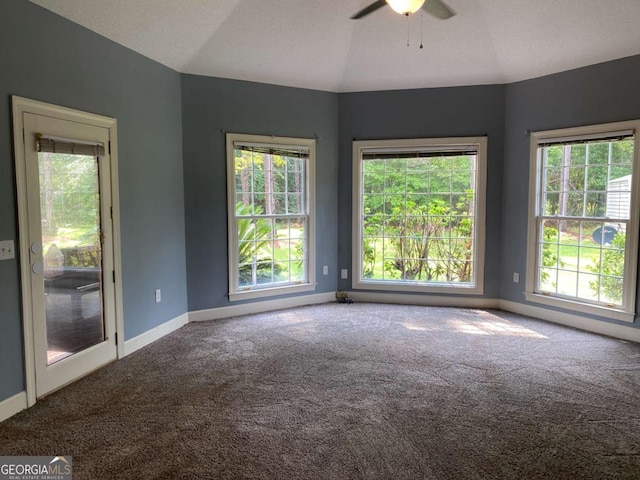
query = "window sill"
x=449 y=288
x=271 y=291
x=575 y=306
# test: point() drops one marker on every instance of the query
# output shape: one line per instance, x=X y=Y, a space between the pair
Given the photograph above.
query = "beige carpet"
x=356 y=391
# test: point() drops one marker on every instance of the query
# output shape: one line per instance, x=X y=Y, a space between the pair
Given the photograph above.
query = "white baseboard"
x=13 y=405
x=154 y=334
x=571 y=320
x=424 y=300
x=259 y=307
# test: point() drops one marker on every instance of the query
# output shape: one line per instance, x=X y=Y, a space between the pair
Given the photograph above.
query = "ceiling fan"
x=437 y=8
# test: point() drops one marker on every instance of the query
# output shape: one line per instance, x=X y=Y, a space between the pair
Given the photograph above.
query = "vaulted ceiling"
x=314 y=44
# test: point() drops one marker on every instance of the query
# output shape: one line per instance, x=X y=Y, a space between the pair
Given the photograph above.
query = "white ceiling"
x=314 y=44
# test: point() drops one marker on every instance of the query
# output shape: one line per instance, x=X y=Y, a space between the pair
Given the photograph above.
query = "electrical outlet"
x=344 y=273
x=158 y=296
x=325 y=270
x=516 y=277
x=7 y=250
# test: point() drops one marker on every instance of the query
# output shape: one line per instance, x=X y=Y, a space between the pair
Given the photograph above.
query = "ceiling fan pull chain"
x=421 y=28
x=407 y=17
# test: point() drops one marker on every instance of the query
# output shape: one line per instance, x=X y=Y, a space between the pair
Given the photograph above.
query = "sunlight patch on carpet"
x=493 y=327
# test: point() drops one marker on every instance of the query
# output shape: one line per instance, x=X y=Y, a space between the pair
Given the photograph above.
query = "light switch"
x=7 y=250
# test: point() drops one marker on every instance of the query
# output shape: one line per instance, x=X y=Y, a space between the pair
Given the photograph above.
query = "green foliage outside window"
x=577 y=185
x=418 y=219
x=270 y=213
x=587 y=169
x=254 y=242
x=612 y=269
x=549 y=254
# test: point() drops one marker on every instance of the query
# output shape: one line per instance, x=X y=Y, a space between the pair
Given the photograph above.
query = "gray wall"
x=212 y=106
x=169 y=122
x=606 y=92
x=434 y=112
x=47 y=58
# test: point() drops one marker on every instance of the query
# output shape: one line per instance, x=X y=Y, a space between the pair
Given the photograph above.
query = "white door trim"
x=20 y=106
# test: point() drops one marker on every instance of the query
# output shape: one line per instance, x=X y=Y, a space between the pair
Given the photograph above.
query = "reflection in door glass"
x=70 y=211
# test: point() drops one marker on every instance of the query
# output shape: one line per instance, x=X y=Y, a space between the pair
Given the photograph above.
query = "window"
x=419 y=214
x=271 y=222
x=583 y=220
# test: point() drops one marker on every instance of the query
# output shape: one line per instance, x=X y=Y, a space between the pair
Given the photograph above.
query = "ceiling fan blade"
x=367 y=10
x=438 y=8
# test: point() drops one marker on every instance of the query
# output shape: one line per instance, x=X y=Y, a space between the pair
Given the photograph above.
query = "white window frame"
x=627 y=312
x=310 y=204
x=476 y=286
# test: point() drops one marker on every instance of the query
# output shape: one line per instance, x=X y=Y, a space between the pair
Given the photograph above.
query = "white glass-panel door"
x=71 y=248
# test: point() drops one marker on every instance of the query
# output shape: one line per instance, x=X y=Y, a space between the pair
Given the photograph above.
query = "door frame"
x=20 y=106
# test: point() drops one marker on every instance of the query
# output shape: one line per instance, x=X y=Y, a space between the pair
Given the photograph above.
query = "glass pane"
x=574 y=205
x=295 y=175
x=576 y=179
x=259 y=203
x=297 y=228
x=576 y=154
x=258 y=176
x=281 y=247
x=281 y=272
x=552 y=179
x=278 y=204
x=418 y=219
x=297 y=271
x=277 y=253
x=465 y=163
x=294 y=203
x=70 y=210
x=372 y=264
x=618 y=198
x=440 y=181
x=244 y=178
x=247 y=251
x=589 y=258
x=612 y=268
x=567 y=283
x=583 y=259
x=551 y=204
x=245 y=274
x=611 y=289
x=462 y=180
x=373 y=204
x=373 y=181
x=597 y=177
x=279 y=178
x=596 y=204
x=264 y=272
x=588 y=286
x=547 y=279
x=440 y=163
x=421 y=202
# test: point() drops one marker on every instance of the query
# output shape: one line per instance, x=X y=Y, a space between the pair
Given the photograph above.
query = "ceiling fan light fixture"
x=405 y=7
